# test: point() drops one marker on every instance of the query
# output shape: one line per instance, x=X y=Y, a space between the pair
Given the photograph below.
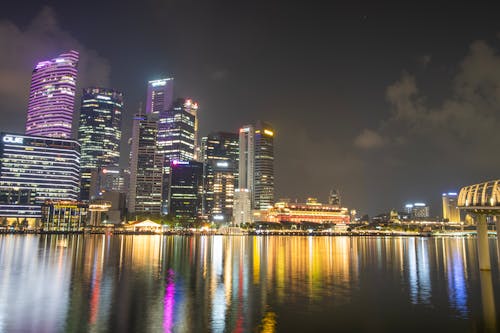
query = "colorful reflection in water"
x=243 y=284
x=169 y=303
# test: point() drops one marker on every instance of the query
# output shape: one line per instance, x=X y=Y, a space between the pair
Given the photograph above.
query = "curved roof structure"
x=483 y=196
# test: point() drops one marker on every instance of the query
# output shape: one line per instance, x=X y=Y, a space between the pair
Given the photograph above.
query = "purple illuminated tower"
x=52 y=97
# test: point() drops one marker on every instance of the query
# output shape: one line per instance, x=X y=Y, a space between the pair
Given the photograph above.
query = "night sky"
x=390 y=103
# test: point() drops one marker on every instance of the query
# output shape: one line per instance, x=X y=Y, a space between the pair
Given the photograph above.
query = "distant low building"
x=418 y=210
x=312 y=211
x=64 y=216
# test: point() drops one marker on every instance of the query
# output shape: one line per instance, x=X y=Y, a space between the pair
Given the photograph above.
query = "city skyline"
x=386 y=139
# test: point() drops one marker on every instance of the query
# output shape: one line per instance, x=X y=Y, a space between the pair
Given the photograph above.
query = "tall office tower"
x=246 y=161
x=160 y=95
x=99 y=133
x=186 y=189
x=36 y=169
x=451 y=213
x=52 y=97
x=146 y=164
x=256 y=168
x=177 y=134
x=220 y=155
x=334 y=198
x=221 y=146
x=177 y=131
x=218 y=199
x=263 y=196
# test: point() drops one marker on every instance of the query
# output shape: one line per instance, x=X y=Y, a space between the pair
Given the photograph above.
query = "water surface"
x=99 y=283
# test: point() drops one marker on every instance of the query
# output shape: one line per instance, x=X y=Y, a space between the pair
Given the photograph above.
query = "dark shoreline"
x=262 y=234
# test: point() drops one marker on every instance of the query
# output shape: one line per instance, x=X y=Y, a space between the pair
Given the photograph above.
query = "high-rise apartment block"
x=52 y=97
x=99 y=133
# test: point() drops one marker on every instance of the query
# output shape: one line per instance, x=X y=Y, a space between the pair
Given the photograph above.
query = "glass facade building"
x=35 y=169
x=220 y=153
x=160 y=95
x=146 y=168
x=186 y=189
x=177 y=131
x=263 y=196
x=52 y=97
x=177 y=135
x=99 y=133
x=256 y=164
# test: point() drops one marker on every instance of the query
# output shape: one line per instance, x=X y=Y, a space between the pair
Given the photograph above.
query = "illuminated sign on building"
x=222 y=164
x=159 y=83
x=175 y=162
x=110 y=171
x=13 y=139
x=268 y=132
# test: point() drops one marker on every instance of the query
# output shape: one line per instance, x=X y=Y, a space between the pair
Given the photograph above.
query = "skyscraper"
x=451 y=213
x=99 y=132
x=263 y=196
x=52 y=97
x=186 y=189
x=256 y=168
x=246 y=163
x=220 y=155
x=160 y=95
x=146 y=164
x=222 y=146
x=177 y=131
x=176 y=141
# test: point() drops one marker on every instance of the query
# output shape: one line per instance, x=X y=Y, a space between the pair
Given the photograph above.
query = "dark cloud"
x=23 y=47
x=457 y=136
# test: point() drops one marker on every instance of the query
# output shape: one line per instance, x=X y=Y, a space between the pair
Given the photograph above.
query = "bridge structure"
x=482 y=201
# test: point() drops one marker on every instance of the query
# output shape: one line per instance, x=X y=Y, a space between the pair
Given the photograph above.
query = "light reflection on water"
x=243 y=284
